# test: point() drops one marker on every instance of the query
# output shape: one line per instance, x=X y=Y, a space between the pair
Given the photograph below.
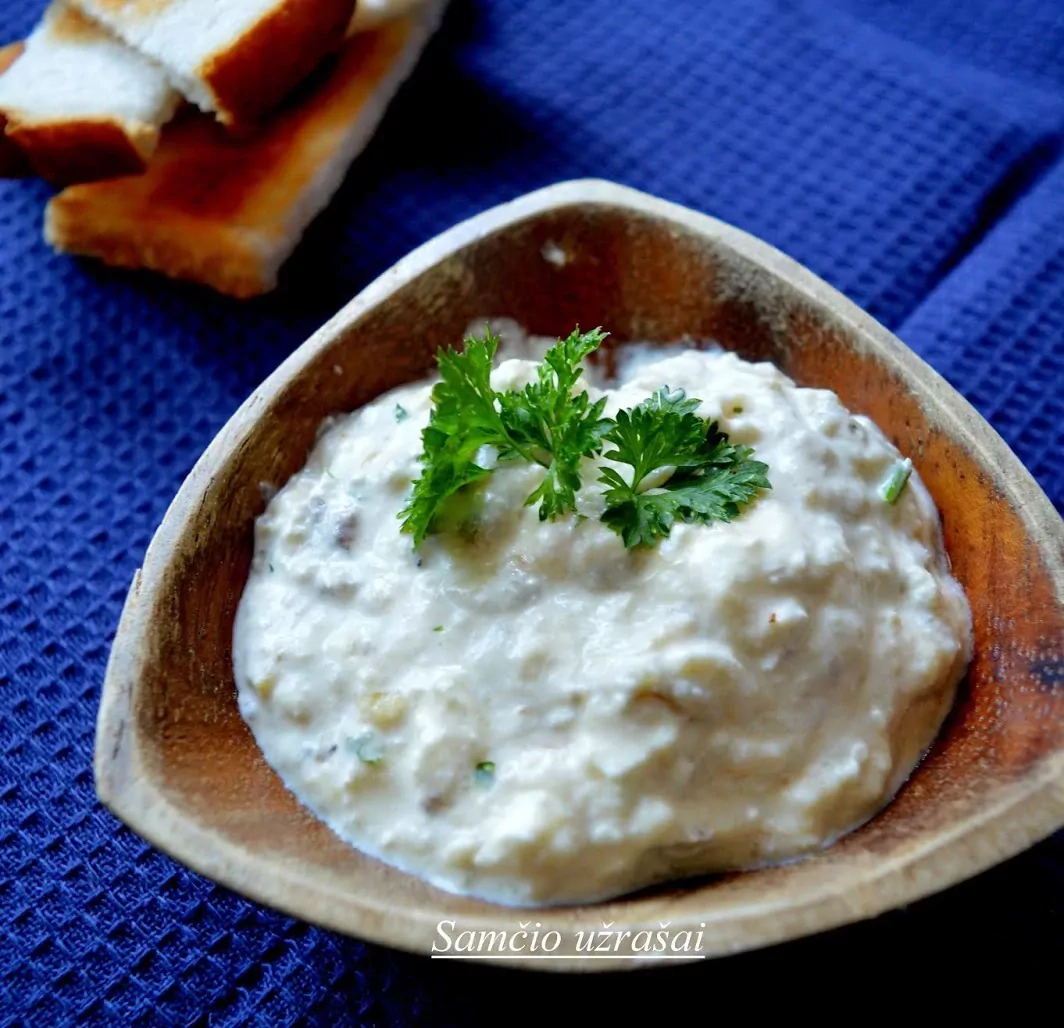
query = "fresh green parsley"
x=558 y=426
x=683 y=468
x=707 y=477
x=545 y=423
x=401 y=413
x=485 y=772
x=895 y=484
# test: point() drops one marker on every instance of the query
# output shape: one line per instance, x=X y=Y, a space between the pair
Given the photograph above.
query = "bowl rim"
x=1026 y=811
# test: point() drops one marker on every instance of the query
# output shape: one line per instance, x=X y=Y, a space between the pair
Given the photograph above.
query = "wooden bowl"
x=175 y=761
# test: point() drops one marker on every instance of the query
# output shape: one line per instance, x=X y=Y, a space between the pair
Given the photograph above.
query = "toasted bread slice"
x=235 y=58
x=80 y=104
x=227 y=212
x=13 y=163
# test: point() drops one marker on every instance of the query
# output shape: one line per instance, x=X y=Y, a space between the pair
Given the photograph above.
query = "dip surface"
x=529 y=713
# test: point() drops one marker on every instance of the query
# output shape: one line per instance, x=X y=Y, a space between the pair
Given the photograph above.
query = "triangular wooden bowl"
x=175 y=761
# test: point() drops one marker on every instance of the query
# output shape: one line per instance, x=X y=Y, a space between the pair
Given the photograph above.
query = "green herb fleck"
x=271 y=567
x=895 y=483
x=401 y=413
x=709 y=478
x=368 y=748
x=485 y=772
x=438 y=628
x=737 y=409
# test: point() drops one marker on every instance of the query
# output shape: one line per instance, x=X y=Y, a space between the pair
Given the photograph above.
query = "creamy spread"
x=530 y=713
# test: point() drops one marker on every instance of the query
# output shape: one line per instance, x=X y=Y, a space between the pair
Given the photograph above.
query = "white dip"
x=530 y=713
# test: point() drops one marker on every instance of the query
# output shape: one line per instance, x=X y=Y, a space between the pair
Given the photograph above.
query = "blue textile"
x=906 y=151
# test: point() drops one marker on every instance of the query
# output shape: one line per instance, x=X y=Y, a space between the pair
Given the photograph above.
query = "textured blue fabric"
x=995 y=328
x=1022 y=39
x=905 y=151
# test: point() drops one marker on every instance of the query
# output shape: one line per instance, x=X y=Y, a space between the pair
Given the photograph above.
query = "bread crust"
x=9 y=54
x=83 y=150
x=210 y=253
x=278 y=52
x=13 y=163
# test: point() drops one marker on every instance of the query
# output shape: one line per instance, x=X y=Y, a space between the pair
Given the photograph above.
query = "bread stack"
x=199 y=138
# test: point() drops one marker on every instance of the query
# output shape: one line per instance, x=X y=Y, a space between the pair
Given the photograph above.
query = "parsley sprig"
x=558 y=427
x=545 y=423
x=683 y=468
x=707 y=477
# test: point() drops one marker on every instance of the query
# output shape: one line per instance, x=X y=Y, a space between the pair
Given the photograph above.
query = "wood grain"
x=175 y=761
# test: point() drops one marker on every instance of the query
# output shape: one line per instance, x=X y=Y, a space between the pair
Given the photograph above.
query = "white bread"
x=235 y=58
x=227 y=212
x=80 y=104
x=13 y=163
